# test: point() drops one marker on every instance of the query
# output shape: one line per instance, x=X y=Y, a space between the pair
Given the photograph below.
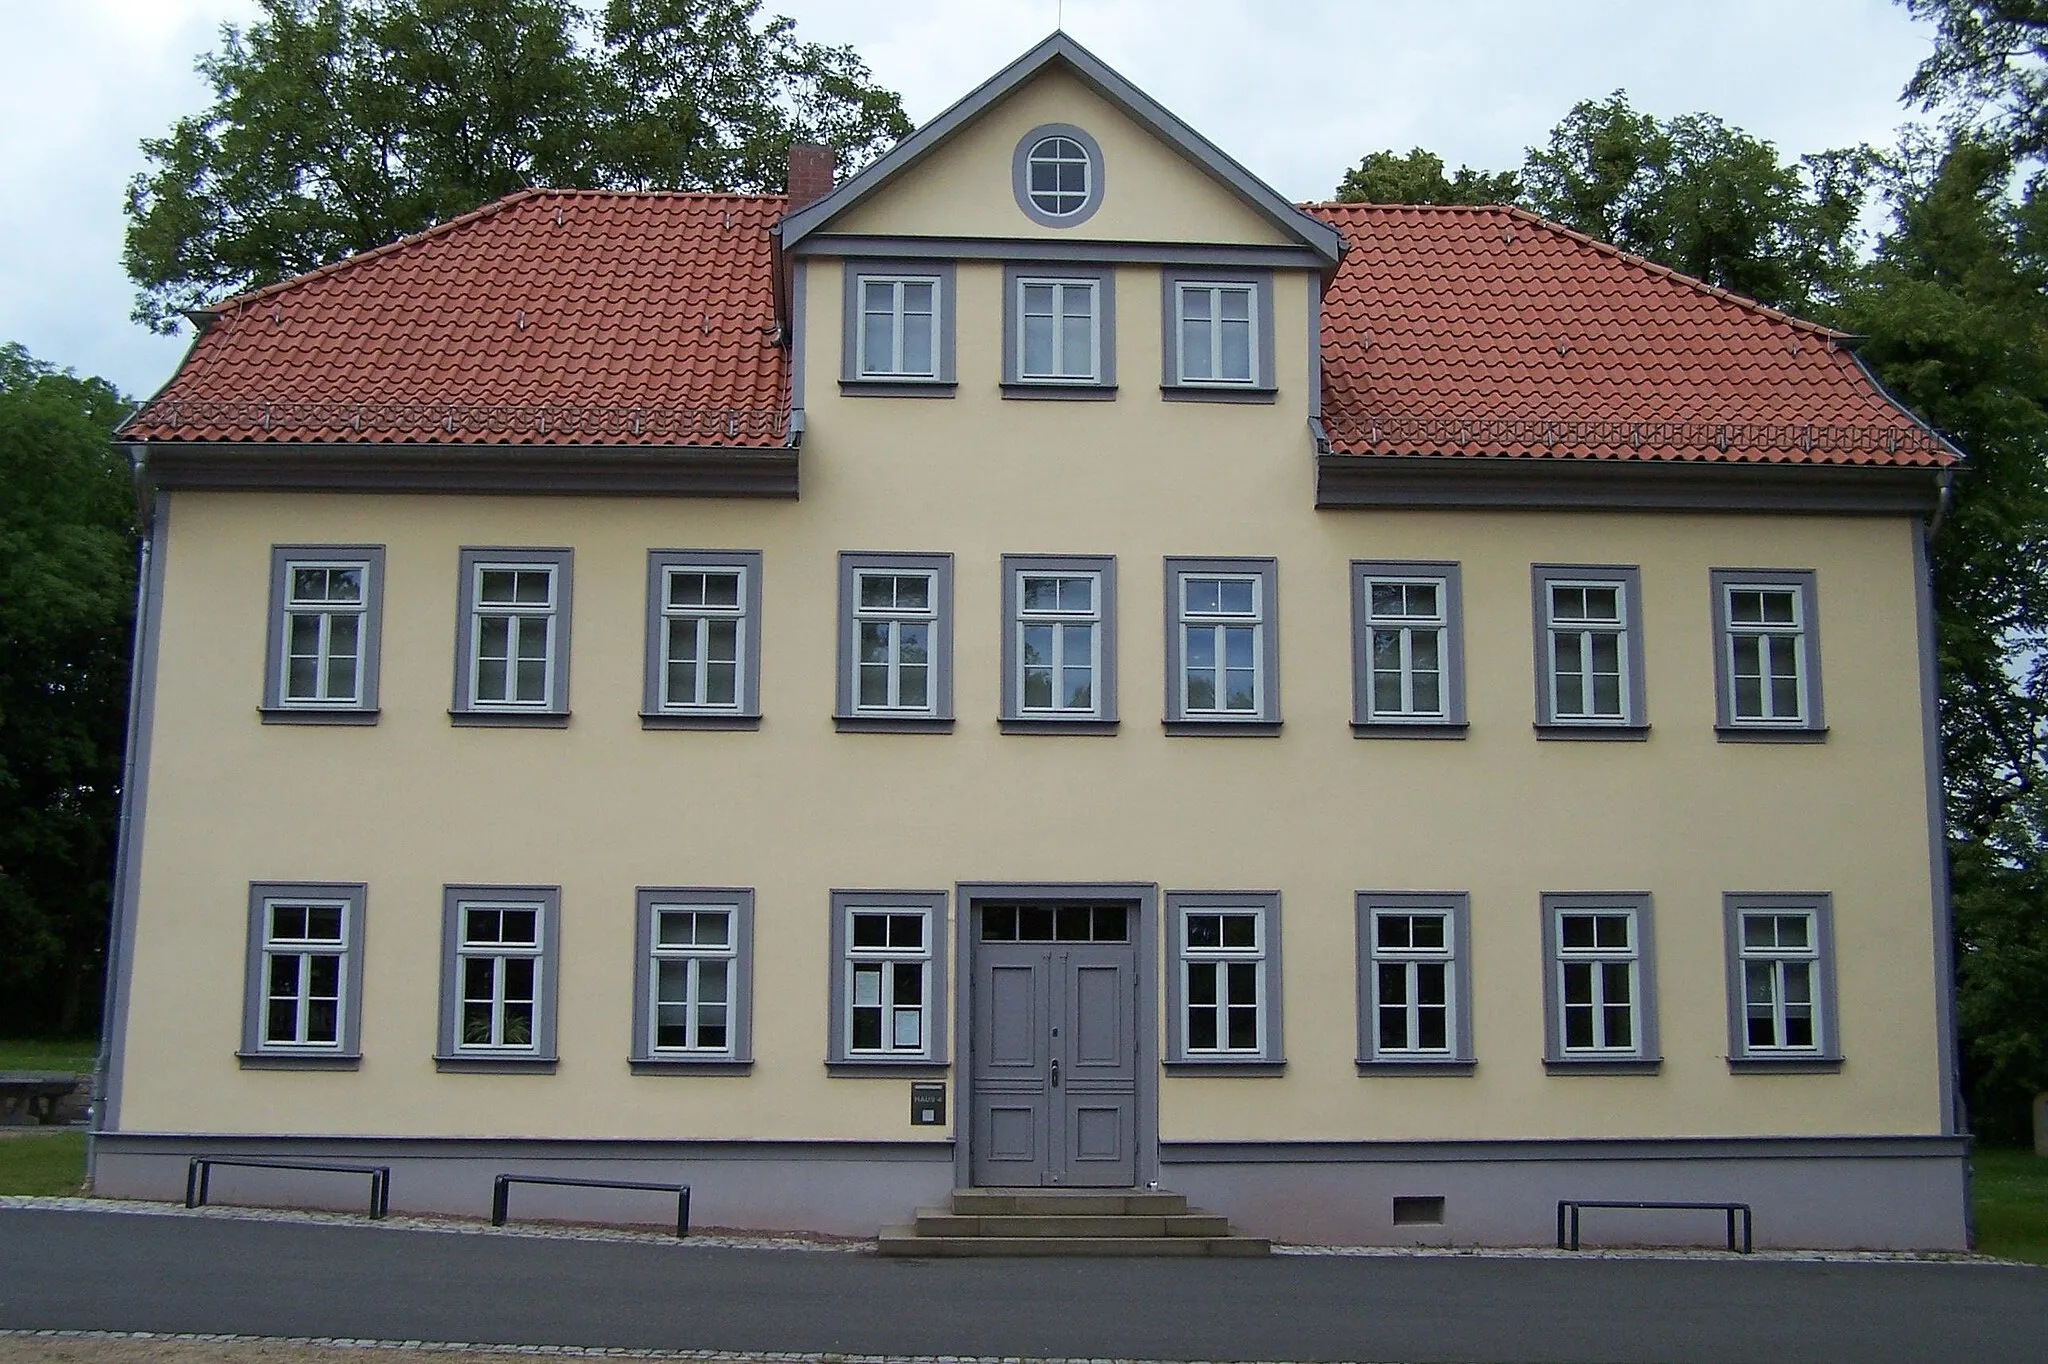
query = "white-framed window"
x=1223 y=978
x=1407 y=621
x=694 y=953
x=704 y=650
x=895 y=641
x=1766 y=660
x=888 y=989
x=499 y=948
x=1218 y=332
x=1781 y=983
x=1222 y=620
x=1058 y=331
x=304 y=986
x=1589 y=649
x=1059 y=642
x=899 y=326
x=1060 y=175
x=1599 y=982
x=325 y=603
x=888 y=958
x=1414 y=980
x=513 y=636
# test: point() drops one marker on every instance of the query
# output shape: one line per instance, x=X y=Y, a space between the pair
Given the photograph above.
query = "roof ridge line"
x=1311 y=205
x=1679 y=276
x=497 y=205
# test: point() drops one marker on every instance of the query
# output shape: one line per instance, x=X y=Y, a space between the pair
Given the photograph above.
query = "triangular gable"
x=1061 y=51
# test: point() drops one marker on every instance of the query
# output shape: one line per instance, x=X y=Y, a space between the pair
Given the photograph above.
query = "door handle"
x=1055 y=1072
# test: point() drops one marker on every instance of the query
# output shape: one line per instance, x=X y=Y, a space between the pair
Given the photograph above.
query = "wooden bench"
x=1569 y=1239
x=199 y=1176
x=35 y=1093
x=501 y=1194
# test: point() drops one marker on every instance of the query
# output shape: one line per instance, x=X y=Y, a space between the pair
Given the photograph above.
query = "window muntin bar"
x=513 y=637
x=1059 y=643
x=1407 y=625
x=898 y=335
x=694 y=955
x=1413 y=988
x=1217 y=333
x=1766 y=654
x=1223 y=981
x=1060 y=176
x=1222 y=624
x=498 y=970
x=703 y=643
x=1780 y=956
x=305 y=947
x=895 y=617
x=888 y=952
x=1598 y=994
x=1588 y=629
x=1058 y=331
x=324 y=613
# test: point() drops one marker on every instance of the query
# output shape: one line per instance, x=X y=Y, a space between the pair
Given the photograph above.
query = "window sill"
x=697 y=720
x=897 y=388
x=893 y=724
x=1409 y=729
x=1594 y=732
x=1595 y=1065
x=1249 y=1066
x=312 y=715
x=1763 y=734
x=1218 y=393
x=870 y=1068
x=285 y=1060
x=1420 y=1066
x=1083 y=393
x=701 y=1065
x=1263 y=729
x=510 y=719
x=495 y=1065
x=1032 y=724
x=1785 y=1065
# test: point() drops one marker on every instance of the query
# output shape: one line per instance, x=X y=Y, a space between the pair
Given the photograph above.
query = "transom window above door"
x=1055 y=923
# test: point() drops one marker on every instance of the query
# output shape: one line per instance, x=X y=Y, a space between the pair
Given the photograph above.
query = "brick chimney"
x=810 y=174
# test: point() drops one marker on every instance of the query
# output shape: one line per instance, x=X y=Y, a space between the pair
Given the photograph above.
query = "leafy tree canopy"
x=67 y=538
x=1991 y=63
x=1418 y=178
x=339 y=125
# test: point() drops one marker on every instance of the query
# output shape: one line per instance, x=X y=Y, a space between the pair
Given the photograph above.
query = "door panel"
x=1012 y=1043
x=1097 y=1098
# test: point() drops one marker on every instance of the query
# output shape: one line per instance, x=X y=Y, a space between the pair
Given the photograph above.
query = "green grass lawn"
x=42 y=1163
x=2009 y=1196
x=73 y=1054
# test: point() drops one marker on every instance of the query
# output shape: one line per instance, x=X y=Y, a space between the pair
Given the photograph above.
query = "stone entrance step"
x=1067 y=1222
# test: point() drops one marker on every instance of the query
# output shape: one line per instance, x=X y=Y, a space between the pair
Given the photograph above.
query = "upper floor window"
x=325 y=604
x=1589 y=651
x=899 y=328
x=1218 y=336
x=1056 y=175
x=1059 y=647
x=1059 y=331
x=1766 y=654
x=512 y=646
x=703 y=639
x=895 y=655
x=1222 y=655
x=1407 y=650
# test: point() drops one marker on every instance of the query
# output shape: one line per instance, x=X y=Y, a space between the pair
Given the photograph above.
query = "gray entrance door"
x=1055 y=1045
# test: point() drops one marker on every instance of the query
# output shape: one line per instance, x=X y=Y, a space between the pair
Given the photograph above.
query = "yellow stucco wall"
x=1150 y=192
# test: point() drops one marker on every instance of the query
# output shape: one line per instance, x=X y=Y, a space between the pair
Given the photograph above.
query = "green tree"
x=67 y=580
x=1991 y=63
x=339 y=125
x=1418 y=178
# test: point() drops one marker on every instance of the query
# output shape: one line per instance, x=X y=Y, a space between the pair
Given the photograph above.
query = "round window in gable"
x=1058 y=175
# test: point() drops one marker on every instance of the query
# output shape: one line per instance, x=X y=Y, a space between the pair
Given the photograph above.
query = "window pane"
x=711 y=981
x=867 y=986
x=1428 y=930
x=1576 y=930
x=520 y=926
x=1386 y=599
x=1077 y=347
x=1194 y=350
x=870 y=930
x=906 y=930
x=1201 y=982
x=672 y=982
x=1038 y=345
x=1240 y=930
x=1205 y=930
x=1237 y=596
x=496 y=586
x=913 y=593
x=917 y=344
x=1244 y=1028
x=909 y=1034
x=1234 y=359
x=284 y=975
x=878 y=331
x=1393 y=930
x=1612 y=930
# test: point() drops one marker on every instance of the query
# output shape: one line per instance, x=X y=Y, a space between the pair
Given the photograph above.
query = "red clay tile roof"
x=547 y=317
x=1491 y=332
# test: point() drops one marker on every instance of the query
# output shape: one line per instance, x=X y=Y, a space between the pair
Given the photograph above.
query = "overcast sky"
x=1297 y=90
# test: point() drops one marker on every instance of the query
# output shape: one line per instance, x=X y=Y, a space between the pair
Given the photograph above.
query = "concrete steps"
x=1067 y=1222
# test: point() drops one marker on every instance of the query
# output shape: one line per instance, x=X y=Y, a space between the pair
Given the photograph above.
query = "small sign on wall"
x=928 y=1105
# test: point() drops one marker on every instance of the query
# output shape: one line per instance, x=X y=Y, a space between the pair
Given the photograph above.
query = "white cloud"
x=1298 y=90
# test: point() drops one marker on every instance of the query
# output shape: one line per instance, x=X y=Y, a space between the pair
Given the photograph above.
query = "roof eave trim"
x=1325 y=240
x=1907 y=412
x=556 y=470
x=1396 y=482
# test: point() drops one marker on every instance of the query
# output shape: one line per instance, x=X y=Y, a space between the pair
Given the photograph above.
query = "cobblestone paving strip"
x=146 y=1347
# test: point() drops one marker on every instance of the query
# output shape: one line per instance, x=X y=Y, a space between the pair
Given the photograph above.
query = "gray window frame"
x=643 y=1057
x=1644 y=1058
x=853 y=383
x=840 y=1058
x=1456 y=907
x=1102 y=387
x=1271 y=1058
x=1826 y=1056
x=938 y=718
x=1365 y=724
x=1267 y=721
x=347 y=1054
x=746 y=714
x=1172 y=388
x=1634 y=721
x=465 y=710
x=1020 y=175
x=1812 y=727
x=1013 y=717
x=276 y=708
x=540 y=1058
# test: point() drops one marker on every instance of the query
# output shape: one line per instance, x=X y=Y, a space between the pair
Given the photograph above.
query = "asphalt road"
x=109 y=1271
